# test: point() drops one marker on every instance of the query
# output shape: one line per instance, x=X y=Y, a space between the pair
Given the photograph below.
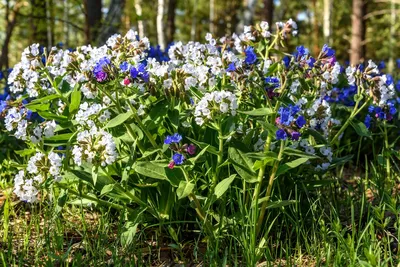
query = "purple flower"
x=301 y=51
x=389 y=79
x=99 y=69
x=371 y=109
x=381 y=65
x=301 y=121
x=175 y=138
x=273 y=82
x=281 y=134
x=191 y=149
x=286 y=61
x=178 y=158
x=101 y=76
x=251 y=56
x=310 y=62
x=295 y=136
x=3 y=105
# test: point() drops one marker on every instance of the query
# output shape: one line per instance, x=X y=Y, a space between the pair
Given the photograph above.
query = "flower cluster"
x=289 y=122
x=213 y=104
x=94 y=146
x=180 y=151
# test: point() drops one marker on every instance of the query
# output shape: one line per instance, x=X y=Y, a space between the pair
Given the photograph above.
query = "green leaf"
x=258 y=112
x=95 y=174
x=51 y=116
x=128 y=235
x=222 y=186
x=60 y=137
x=118 y=120
x=42 y=100
x=318 y=137
x=75 y=99
x=174 y=176
x=38 y=107
x=107 y=189
x=277 y=204
x=201 y=153
x=184 y=189
x=360 y=129
x=242 y=164
x=298 y=153
x=202 y=145
x=150 y=169
x=290 y=165
x=25 y=152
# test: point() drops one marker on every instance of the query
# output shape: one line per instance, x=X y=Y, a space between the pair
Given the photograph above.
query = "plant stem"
x=387 y=151
x=219 y=157
x=269 y=188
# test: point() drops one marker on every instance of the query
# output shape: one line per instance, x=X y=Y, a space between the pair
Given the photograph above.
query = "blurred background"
x=356 y=29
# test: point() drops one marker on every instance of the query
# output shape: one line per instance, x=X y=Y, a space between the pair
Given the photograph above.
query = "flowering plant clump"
x=143 y=129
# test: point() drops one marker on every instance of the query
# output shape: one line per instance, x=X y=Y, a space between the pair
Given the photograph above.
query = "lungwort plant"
x=165 y=140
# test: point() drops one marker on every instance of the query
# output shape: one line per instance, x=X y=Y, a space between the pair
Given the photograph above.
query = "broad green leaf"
x=107 y=189
x=290 y=165
x=129 y=233
x=242 y=164
x=360 y=129
x=150 y=169
x=75 y=99
x=42 y=100
x=276 y=204
x=25 y=152
x=87 y=177
x=184 y=189
x=194 y=159
x=318 y=137
x=38 y=107
x=118 y=120
x=51 y=116
x=60 y=137
x=258 y=112
x=262 y=155
x=95 y=174
x=222 y=186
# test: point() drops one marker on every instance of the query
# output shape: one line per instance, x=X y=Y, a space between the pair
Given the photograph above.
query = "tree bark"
x=93 y=17
x=160 y=24
x=11 y=20
x=112 y=22
x=327 y=21
x=138 y=8
x=268 y=12
x=212 y=16
x=315 y=28
x=247 y=16
x=357 y=32
x=39 y=22
x=171 y=21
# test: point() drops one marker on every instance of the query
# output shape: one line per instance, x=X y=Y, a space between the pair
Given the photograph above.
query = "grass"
x=351 y=219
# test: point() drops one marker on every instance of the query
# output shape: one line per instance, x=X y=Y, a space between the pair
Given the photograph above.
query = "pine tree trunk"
x=93 y=19
x=357 y=32
x=212 y=16
x=11 y=20
x=160 y=24
x=194 y=21
x=315 y=28
x=171 y=21
x=268 y=12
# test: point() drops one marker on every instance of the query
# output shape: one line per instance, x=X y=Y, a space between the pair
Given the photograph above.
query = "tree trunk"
x=315 y=28
x=194 y=21
x=357 y=32
x=10 y=25
x=327 y=21
x=112 y=22
x=212 y=16
x=93 y=19
x=268 y=12
x=138 y=8
x=160 y=24
x=392 y=35
x=171 y=21
x=39 y=22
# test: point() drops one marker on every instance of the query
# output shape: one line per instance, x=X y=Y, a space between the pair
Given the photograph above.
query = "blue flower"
x=251 y=56
x=381 y=65
x=281 y=134
x=371 y=109
x=175 y=138
x=398 y=85
x=231 y=67
x=178 y=158
x=124 y=66
x=367 y=121
x=99 y=69
x=3 y=105
x=273 y=82
x=134 y=72
x=327 y=51
x=392 y=109
x=398 y=63
x=301 y=51
x=310 y=62
x=389 y=79
x=286 y=61
x=301 y=121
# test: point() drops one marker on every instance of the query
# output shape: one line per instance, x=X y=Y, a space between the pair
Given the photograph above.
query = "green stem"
x=347 y=123
x=269 y=188
x=387 y=152
x=219 y=157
